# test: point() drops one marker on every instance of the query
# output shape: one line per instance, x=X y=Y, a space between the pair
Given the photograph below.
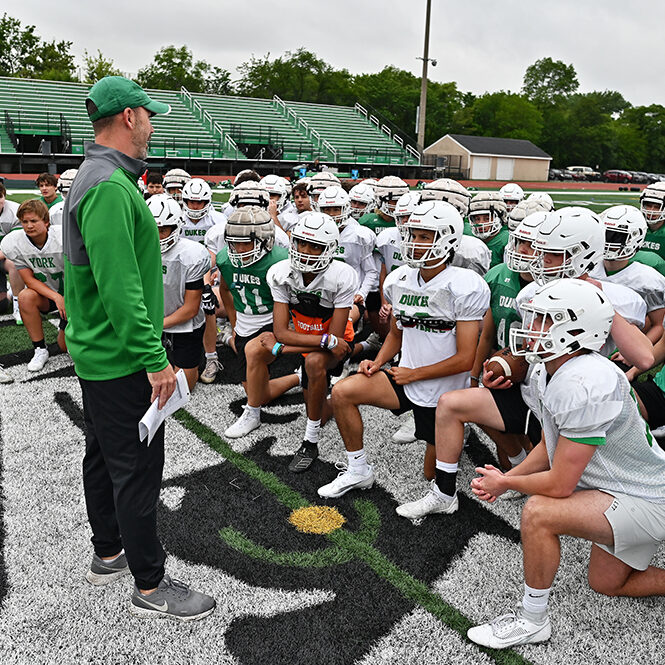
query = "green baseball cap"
x=114 y=94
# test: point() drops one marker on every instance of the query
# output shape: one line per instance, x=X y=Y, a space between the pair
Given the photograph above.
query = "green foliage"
x=97 y=67
x=174 y=67
x=23 y=53
x=647 y=122
x=547 y=81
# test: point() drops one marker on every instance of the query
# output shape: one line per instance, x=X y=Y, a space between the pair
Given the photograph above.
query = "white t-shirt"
x=389 y=249
x=288 y=218
x=8 y=219
x=644 y=280
x=186 y=262
x=588 y=399
x=47 y=263
x=421 y=308
x=197 y=229
x=55 y=213
x=356 y=248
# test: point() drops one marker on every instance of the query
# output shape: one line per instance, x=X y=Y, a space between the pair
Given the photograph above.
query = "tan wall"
x=531 y=170
x=446 y=146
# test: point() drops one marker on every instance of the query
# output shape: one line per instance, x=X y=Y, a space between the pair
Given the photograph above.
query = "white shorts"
x=639 y=529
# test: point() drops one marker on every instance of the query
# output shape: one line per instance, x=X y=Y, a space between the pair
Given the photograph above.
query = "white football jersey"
x=227 y=209
x=473 y=254
x=356 y=248
x=197 y=229
x=312 y=305
x=427 y=313
x=624 y=300
x=8 y=219
x=47 y=263
x=55 y=213
x=589 y=398
x=389 y=249
x=644 y=280
x=288 y=218
x=186 y=262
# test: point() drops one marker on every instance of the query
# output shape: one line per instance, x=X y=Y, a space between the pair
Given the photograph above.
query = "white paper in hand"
x=154 y=417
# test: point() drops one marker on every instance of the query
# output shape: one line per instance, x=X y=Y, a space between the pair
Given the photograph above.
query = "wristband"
x=324 y=340
x=476 y=379
x=332 y=342
x=277 y=349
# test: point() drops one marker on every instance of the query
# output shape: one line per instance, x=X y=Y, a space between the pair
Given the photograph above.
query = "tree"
x=175 y=67
x=649 y=123
x=97 y=67
x=23 y=54
x=548 y=80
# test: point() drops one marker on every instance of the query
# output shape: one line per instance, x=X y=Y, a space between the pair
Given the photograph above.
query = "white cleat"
x=247 y=423
x=39 y=359
x=5 y=376
x=509 y=630
x=347 y=480
x=407 y=432
x=433 y=502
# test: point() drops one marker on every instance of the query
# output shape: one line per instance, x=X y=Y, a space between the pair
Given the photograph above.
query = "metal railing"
x=9 y=128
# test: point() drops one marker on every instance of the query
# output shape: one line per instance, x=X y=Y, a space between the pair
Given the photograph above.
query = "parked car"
x=616 y=175
x=554 y=174
x=583 y=173
x=639 y=177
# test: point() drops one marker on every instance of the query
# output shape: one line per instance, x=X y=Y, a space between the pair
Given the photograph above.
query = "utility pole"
x=423 y=82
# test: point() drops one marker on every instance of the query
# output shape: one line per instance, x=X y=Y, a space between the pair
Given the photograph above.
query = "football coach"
x=115 y=307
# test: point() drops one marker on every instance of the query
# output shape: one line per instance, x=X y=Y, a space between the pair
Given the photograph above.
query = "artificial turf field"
x=375 y=589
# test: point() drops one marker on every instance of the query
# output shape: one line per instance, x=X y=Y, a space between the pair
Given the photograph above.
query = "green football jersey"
x=467 y=228
x=248 y=286
x=504 y=286
x=655 y=242
x=497 y=244
x=649 y=258
x=375 y=222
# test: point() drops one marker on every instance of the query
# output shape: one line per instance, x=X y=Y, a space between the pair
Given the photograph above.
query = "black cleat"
x=304 y=457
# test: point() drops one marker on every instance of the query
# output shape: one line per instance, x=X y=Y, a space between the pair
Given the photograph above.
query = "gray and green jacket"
x=113 y=270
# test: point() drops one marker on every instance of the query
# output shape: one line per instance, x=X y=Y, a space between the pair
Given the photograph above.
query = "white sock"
x=364 y=345
x=119 y=554
x=211 y=356
x=518 y=459
x=253 y=410
x=357 y=461
x=535 y=601
x=15 y=303
x=312 y=430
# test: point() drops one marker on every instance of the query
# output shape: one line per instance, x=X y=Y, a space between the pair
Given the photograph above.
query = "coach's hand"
x=163 y=384
x=368 y=367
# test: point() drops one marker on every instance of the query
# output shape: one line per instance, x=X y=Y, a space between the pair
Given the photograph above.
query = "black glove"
x=209 y=300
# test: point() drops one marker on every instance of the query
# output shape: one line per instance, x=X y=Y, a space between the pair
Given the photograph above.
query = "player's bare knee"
x=28 y=297
x=449 y=406
x=600 y=584
x=535 y=512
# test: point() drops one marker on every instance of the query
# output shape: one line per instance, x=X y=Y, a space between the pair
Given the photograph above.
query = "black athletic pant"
x=122 y=476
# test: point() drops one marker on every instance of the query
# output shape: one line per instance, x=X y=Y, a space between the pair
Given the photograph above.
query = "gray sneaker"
x=103 y=572
x=5 y=377
x=209 y=374
x=172 y=599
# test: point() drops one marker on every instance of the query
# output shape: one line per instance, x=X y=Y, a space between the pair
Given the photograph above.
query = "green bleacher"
x=252 y=121
x=354 y=137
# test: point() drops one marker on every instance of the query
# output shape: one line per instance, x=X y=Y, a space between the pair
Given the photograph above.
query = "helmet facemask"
x=442 y=246
x=516 y=260
x=488 y=228
x=310 y=263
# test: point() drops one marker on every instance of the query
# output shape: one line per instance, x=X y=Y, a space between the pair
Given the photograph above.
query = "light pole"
x=423 y=81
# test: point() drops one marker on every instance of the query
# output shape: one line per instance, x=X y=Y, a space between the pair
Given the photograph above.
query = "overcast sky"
x=483 y=45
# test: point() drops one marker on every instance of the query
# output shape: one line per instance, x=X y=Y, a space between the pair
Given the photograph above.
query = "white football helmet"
x=387 y=191
x=544 y=198
x=174 y=181
x=196 y=189
x=319 y=181
x=65 y=181
x=335 y=197
x=249 y=193
x=446 y=189
x=249 y=224
x=276 y=185
x=448 y=226
x=525 y=231
x=512 y=194
x=574 y=315
x=405 y=206
x=315 y=228
x=167 y=212
x=625 y=230
x=370 y=182
x=492 y=205
x=525 y=208
x=575 y=233
x=363 y=195
x=654 y=194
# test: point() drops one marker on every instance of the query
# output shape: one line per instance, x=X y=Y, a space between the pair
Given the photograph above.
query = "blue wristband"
x=324 y=340
x=277 y=349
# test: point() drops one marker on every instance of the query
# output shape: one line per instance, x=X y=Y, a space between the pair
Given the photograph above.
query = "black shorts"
x=186 y=348
x=361 y=308
x=373 y=302
x=653 y=399
x=335 y=371
x=424 y=416
x=241 y=343
x=516 y=414
x=52 y=307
